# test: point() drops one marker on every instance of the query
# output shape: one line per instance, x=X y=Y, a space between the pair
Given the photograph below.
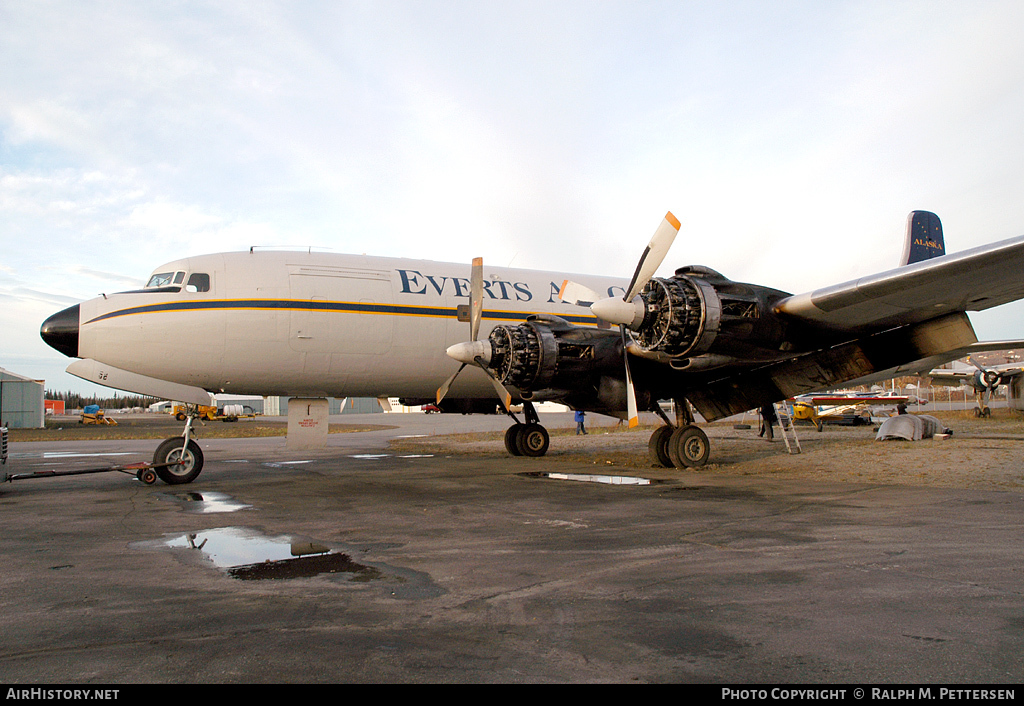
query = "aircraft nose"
x=60 y=331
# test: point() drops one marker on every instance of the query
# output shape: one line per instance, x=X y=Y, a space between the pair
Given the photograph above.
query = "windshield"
x=164 y=279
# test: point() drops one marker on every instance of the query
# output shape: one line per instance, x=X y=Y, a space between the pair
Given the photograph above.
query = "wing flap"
x=901 y=351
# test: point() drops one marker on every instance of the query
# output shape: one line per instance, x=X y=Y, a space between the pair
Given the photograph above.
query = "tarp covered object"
x=911 y=427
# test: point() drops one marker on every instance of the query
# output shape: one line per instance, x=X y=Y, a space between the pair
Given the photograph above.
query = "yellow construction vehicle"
x=92 y=414
x=230 y=413
x=207 y=412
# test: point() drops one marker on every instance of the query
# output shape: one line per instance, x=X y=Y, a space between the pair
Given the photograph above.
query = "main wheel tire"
x=171 y=451
x=658 y=446
x=512 y=439
x=689 y=447
x=533 y=440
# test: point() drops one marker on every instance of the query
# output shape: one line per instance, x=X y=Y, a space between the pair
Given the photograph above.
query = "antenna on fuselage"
x=309 y=248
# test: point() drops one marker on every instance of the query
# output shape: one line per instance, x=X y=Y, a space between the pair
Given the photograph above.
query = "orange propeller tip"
x=673 y=221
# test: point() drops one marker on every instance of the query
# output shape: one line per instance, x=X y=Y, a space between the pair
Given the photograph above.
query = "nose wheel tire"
x=689 y=447
x=186 y=462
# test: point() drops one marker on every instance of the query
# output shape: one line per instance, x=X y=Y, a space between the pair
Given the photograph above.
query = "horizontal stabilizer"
x=924 y=238
x=109 y=376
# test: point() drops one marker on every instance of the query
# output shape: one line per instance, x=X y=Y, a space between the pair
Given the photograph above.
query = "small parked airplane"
x=984 y=380
x=846 y=408
x=325 y=325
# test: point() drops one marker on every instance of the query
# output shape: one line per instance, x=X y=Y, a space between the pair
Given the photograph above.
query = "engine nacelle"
x=547 y=358
x=985 y=380
x=698 y=312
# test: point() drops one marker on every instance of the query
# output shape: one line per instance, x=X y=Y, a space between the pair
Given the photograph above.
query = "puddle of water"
x=370 y=455
x=206 y=503
x=589 y=478
x=249 y=556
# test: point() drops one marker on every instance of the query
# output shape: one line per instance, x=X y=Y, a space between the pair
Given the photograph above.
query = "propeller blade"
x=577 y=294
x=504 y=395
x=653 y=255
x=476 y=297
x=443 y=390
x=634 y=417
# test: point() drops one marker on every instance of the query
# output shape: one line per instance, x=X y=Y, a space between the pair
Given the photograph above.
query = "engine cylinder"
x=682 y=318
x=549 y=357
x=699 y=313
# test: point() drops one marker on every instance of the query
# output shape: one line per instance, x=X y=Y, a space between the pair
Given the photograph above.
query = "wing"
x=905 y=321
x=972 y=280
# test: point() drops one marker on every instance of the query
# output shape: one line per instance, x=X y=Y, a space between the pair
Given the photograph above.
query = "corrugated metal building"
x=21 y=401
x=278 y=406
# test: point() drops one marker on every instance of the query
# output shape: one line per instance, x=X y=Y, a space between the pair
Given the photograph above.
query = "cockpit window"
x=199 y=280
x=178 y=277
x=162 y=279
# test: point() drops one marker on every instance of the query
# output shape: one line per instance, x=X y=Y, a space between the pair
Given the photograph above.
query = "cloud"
x=791 y=140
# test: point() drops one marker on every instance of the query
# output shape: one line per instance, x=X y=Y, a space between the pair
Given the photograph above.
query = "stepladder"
x=785 y=416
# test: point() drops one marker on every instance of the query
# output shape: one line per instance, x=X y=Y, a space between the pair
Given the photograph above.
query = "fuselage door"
x=338 y=310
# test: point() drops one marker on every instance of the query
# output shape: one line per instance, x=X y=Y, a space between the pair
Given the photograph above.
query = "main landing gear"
x=529 y=439
x=680 y=445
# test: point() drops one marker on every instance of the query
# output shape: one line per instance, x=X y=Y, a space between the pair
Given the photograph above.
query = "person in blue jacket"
x=580 y=417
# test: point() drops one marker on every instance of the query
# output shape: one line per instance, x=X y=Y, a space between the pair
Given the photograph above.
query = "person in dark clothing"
x=768 y=418
x=580 y=419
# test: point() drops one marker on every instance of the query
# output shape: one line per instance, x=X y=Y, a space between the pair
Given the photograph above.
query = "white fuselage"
x=315 y=324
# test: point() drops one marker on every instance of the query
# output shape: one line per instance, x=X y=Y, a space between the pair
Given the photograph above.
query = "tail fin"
x=924 y=238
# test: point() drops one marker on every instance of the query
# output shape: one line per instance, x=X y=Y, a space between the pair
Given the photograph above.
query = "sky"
x=791 y=139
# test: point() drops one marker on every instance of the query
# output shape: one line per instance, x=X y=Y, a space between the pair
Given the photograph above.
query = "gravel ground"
x=981 y=454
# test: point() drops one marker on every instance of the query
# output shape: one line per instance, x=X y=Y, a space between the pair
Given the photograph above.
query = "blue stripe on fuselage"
x=338 y=307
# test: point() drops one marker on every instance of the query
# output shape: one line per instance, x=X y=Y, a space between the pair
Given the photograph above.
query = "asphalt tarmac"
x=360 y=564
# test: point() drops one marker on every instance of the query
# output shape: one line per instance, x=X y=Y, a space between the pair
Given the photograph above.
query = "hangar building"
x=21 y=401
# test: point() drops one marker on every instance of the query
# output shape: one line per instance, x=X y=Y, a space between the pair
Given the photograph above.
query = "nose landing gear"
x=179 y=460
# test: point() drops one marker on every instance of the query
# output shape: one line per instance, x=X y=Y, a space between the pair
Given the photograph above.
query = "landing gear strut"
x=683 y=444
x=179 y=460
x=529 y=439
